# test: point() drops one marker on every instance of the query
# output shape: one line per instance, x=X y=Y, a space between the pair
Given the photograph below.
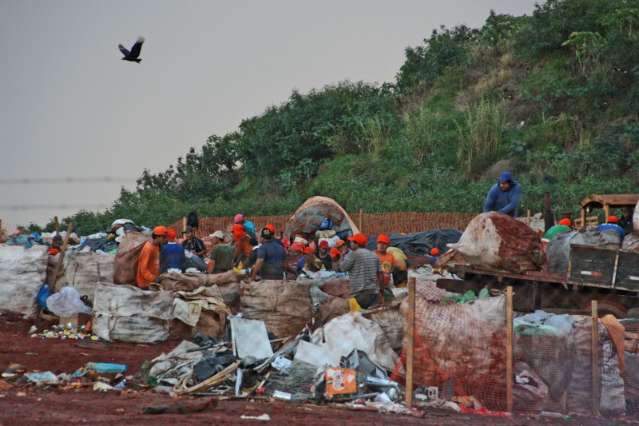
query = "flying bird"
x=133 y=55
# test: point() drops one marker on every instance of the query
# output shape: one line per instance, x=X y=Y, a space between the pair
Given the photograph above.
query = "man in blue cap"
x=504 y=196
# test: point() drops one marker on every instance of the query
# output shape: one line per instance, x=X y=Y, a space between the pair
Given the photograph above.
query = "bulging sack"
x=500 y=241
x=125 y=266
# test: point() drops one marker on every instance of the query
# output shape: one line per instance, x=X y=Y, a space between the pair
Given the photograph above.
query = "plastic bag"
x=43 y=295
x=67 y=303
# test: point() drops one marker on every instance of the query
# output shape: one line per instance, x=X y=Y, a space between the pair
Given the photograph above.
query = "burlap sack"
x=125 y=266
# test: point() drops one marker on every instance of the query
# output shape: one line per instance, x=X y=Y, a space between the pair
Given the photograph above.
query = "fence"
x=369 y=223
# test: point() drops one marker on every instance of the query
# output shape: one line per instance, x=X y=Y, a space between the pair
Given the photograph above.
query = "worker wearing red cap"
x=271 y=256
x=363 y=268
x=172 y=254
x=149 y=260
x=386 y=259
x=564 y=225
x=323 y=254
x=612 y=225
x=242 y=246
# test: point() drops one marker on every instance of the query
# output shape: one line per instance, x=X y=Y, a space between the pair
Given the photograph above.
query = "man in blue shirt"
x=612 y=225
x=270 y=256
x=171 y=254
x=504 y=196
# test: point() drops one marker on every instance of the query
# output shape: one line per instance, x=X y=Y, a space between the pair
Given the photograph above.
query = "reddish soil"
x=26 y=404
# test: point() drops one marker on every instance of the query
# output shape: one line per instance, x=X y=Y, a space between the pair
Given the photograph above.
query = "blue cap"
x=505 y=177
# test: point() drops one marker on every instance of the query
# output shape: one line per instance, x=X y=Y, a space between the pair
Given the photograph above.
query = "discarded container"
x=106 y=367
x=340 y=381
x=42 y=378
x=282 y=395
x=250 y=339
x=282 y=364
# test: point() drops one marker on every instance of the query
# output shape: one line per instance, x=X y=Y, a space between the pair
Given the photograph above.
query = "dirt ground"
x=26 y=404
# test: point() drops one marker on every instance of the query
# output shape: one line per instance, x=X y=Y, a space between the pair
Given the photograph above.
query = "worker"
x=193 y=244
x=249 y=227
x=504 y=196
x=363 y=268
x=295 y=254
x=171 y=254
x=400 y=266
x=270 y=256
x=433 y=256
x=564 y=225
x=324 y=256
x=386 y=259
x=612 y=225
x=242 y=246
x=149 y=260
x=221 y=258
x=56 y=244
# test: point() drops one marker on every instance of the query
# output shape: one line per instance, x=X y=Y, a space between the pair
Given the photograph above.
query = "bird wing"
x=137 y=47
x=123 y=49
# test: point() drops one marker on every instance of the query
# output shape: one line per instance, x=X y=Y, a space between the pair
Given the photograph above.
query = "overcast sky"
x=69 y=107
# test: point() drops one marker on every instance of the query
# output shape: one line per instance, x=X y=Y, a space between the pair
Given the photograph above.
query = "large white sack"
x=22 y=272
x=129 y=314
x=635 y=219
x=83 y=271
x=352 y=331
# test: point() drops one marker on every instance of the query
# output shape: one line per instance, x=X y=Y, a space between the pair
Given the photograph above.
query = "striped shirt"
x=362 y=266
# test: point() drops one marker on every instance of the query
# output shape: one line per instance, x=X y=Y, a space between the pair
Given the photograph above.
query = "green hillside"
x=552 y=96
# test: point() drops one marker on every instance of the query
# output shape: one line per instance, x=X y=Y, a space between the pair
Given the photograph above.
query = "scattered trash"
x=340 y=381
x=262 y=418
x=42 y=378
x=281 y=364
x=106 y=367
x=102 y=387
x=282 y=395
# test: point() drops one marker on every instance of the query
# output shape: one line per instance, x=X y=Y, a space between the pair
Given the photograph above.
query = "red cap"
x=359 y=239
x=297 y=247
x=160 y=231
x=383 y=239
x=270 y=227
x=434 y=251
x=565 y=222
x=334 y=253
x=171 y=234
x=309 y=250
x=613 y=219
x=323 y=244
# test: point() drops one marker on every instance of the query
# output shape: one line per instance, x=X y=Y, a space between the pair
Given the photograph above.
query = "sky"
x=70 y=108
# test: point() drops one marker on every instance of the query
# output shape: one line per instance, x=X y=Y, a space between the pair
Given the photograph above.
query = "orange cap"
x=613 y=219
x=334 y=253
x=270 y=227
x=309 y=250
x=359 y=239
x=565 y=222
x=160 y=231
x=434 y=251
x=171 y=234
x=383 y=239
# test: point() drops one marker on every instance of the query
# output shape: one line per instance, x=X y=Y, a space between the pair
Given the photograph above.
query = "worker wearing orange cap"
x=149 y=260
x=324 y=255
x=363 y=268
x=612 y=225
x=271 y=256
x=242 y=246
x=386 y=259
x=171 y=254
x=564 y=225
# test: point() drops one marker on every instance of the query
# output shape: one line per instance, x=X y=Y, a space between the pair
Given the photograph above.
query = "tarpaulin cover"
x=499 y=241
x=420 y=243
x=309 y=215
x=22 y=273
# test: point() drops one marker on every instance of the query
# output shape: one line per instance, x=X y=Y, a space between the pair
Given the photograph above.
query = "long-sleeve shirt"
x=148 y=265
x=506 y=202
x=362 y=266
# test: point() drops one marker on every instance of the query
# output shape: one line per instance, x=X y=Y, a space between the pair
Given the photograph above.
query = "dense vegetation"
x=553 y=96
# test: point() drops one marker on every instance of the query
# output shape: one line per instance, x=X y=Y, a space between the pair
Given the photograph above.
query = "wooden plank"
x=595 y=358
x=410 y=347
x=509 y=349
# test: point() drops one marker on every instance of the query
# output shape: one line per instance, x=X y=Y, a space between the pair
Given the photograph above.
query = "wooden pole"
x=595 y=359
x=410 y=350
x=361 y=218
x=183 y=224
x=60 y=262
x=509 y=349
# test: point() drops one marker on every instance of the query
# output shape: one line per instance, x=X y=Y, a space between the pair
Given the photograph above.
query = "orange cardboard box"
x=340 y=381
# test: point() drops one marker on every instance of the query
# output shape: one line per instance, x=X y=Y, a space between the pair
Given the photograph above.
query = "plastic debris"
x=250 y=339
x=262 y=418
x=43 y=378
x=102 y=387
x=106 y=367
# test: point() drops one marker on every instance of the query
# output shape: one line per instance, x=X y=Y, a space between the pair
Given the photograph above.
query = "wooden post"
x=60 y=262
x=595 y=358
x=361 y=218
x=509 y=349
x=184 y=224
x=410 y=351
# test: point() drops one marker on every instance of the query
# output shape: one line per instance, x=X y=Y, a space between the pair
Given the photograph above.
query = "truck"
x=608 y=275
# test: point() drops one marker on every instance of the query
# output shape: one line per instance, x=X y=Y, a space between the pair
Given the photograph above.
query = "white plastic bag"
x=67 y=303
